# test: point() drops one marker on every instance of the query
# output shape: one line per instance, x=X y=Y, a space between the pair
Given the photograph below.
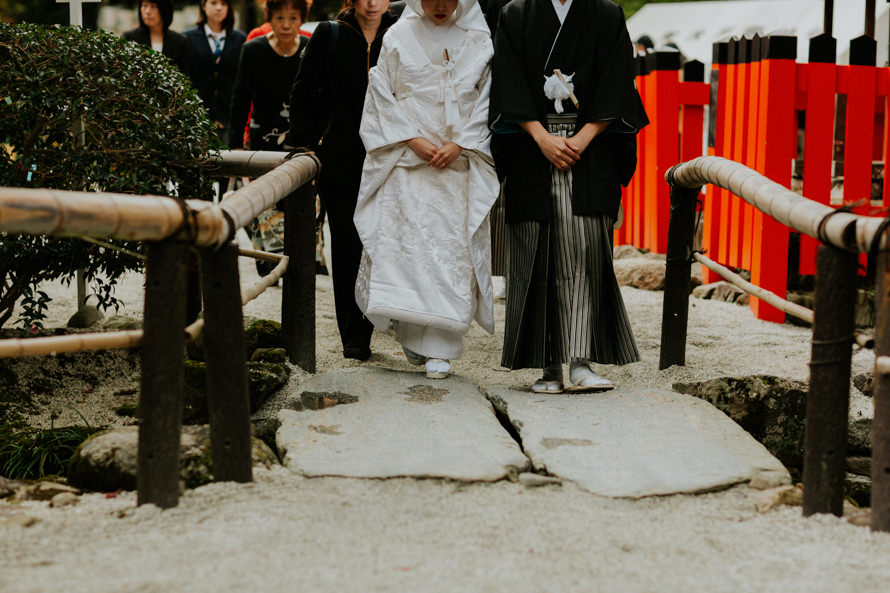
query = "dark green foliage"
x=146 y=132
x=29 y=456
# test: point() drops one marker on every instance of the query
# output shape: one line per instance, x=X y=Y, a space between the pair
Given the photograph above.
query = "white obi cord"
x=558 y=91
x=448 y=95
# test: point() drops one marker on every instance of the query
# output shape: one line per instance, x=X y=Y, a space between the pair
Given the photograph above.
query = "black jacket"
x=176 y=46
x=342 y=152
x=594 y=46
x=214 y=78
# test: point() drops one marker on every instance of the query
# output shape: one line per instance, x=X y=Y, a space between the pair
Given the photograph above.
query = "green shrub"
x=145 y=132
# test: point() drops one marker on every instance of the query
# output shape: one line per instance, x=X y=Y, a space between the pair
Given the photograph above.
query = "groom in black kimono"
x=564 y=112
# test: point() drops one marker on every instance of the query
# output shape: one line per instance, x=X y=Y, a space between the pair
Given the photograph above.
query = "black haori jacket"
x=594 y=45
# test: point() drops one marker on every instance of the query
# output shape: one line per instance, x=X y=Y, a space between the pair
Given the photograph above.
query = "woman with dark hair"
x=155 y=17
x=327 y=100
x=266 y=73
x=215 y=46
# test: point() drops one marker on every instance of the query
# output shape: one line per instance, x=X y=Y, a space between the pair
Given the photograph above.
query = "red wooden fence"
x=759 y=95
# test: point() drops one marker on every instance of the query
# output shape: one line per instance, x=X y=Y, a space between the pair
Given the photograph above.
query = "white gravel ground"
x=287 y=533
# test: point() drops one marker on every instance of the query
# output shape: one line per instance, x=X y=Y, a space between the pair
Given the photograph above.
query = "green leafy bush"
x=145 y=131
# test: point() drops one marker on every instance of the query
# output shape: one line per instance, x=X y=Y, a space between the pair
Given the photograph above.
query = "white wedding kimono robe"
x=425 y=231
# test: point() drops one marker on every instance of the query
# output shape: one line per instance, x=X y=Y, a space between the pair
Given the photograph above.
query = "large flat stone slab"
x=635 y=443
x=398 y=424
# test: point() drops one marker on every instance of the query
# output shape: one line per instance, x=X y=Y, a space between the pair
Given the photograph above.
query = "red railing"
x=767 y=111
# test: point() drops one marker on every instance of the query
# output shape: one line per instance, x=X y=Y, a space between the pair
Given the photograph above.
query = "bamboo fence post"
x=678 y=265
x=298 y=294
x=828 y=399
x=227 y=398
x=160 y=400
x=880 y=431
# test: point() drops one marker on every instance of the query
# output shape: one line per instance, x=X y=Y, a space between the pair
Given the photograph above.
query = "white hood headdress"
x=469 y=15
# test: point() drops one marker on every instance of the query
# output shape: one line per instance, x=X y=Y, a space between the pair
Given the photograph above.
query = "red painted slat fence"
x=766 y=111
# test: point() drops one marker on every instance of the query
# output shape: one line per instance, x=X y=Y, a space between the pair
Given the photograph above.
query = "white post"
x=76 y=10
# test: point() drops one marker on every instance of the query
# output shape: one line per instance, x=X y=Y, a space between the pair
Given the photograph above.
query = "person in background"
x=564 y=112
x=266 y=73
x=643 y=45
x=155 y=17
x=327 y=101
x=215 y=46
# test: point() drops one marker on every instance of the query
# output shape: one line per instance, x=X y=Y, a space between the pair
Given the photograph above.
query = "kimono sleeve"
x=511 y=98
x=384 y=121
x=615 y=97
x=306 y=123
x=475 y=135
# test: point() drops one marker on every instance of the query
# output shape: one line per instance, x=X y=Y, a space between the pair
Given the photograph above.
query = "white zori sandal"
x=437 y=368
x=584 y=380
x=551 y=382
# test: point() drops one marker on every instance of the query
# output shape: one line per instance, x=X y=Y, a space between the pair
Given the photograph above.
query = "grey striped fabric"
x=563 y=302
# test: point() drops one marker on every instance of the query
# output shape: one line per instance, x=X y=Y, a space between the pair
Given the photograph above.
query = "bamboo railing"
x=170 y=227
x=844 y=236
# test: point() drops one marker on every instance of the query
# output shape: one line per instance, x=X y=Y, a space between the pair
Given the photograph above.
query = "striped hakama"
x=563 y=302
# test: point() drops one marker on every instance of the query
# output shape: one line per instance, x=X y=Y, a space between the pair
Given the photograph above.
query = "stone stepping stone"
x=635 y=443
x=384 y=424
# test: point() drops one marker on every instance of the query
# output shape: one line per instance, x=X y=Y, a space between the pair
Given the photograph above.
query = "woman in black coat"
x=327 y=100
x=214 y=47
x=266 y=72
x=154 y=31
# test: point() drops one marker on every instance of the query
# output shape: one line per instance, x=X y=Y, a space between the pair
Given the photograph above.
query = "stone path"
x=376 y=423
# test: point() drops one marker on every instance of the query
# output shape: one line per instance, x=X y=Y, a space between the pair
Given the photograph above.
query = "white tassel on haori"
x=559 y=87
x=448 y=95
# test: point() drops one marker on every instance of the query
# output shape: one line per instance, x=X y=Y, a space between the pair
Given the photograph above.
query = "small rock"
x=861 y=466
x=783 y=495
x=625 y=252
x=531 y=480
x=744 y=299
x=277 y=355
x=862 y=415
x=724 y=291
x=863 y=382
x=858 y=489
x=85 y=317
x=9 y=487
x=20 y=521
x=705 y=291
x=64 y=499
x=43 y=491
x=121 y=323
x=645 y=274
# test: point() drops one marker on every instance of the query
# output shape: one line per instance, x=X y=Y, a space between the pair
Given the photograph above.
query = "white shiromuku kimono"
x=427 y=246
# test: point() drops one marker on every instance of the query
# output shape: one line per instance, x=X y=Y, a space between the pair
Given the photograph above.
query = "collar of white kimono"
x=470 y=17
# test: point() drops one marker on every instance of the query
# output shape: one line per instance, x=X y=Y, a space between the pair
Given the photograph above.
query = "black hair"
x=228 y=23
x=273 y=5
x=165 y=7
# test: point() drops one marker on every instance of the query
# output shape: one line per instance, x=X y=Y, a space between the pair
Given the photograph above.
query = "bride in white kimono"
x=428 y=182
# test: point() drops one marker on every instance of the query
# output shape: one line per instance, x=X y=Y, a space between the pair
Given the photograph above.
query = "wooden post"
x=828 y=400
x=675 y=311
x=227 y=399
x=163 y=349
x=880 y=430
x=298 y=295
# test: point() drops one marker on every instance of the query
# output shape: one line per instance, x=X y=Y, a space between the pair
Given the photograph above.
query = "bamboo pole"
x=841 y=229
x=764 y=295
x=246 y=163
x=52 y=345
x=149 y=218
